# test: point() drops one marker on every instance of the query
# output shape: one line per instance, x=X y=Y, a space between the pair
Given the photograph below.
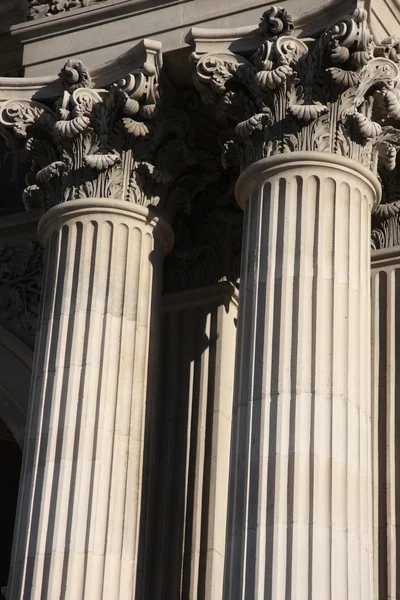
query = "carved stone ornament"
x=107 y=143
x=208 y=239
x=386 y=218
x=20 y=279
x=339 y=93
x=83 y=145
x=45 y=8
x=208 y=226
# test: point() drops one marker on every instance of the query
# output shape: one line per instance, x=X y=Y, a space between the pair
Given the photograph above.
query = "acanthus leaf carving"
x=77 y=146
x=386 y=217
x=339 y=93
x=208 y=240
x=117 y=142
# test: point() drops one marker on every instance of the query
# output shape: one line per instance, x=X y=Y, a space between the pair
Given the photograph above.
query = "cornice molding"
x=83 y=14
x=248 y=39
x=385 y=257
x=312 y=21
x=116 y=23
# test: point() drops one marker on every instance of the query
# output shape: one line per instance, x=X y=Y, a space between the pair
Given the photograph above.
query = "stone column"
x=193 y=442
x=385 y=296
x=311 y=131
x=385 y=407
x=81 y=518
x=301 y=486
x=78 y=524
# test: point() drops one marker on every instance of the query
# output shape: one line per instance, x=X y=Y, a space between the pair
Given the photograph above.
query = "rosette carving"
x=276 y=21
x=339 y=93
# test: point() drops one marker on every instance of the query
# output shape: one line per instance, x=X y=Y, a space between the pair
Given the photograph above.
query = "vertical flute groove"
x=386 y=446
x=297 y=529
x=78 y=524
x=196 y=407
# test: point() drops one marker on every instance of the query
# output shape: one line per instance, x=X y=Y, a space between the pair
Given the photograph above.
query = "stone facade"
x=210 y=414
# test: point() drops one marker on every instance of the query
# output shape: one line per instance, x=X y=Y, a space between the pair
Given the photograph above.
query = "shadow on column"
x=182 y=430
x=10 y=466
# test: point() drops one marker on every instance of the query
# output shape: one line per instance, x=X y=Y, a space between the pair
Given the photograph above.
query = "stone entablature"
x=113 y=27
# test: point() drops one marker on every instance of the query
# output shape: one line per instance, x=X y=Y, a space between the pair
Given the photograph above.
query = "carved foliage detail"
x=337 y=94
x=79 y=147
x=20 y=279
x=208 y=240
x=386 y=218
x=107 y=143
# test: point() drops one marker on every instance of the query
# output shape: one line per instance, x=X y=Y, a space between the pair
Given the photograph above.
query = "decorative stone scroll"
x=338 y=94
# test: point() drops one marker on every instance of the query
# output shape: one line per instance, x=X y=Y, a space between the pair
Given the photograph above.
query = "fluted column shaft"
x=300 y=522
x=79 y=514
x=385 y=296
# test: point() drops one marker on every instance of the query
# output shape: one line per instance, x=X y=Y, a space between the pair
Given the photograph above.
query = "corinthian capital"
x=83 y=142
x=339 y=93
